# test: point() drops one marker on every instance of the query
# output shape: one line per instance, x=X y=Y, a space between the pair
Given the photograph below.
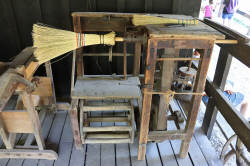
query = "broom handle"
x=119 y=39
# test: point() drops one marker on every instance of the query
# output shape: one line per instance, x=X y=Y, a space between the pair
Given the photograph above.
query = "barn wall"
x=18 y=16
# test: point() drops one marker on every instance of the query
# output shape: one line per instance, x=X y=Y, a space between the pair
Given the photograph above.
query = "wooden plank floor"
x=58 y=135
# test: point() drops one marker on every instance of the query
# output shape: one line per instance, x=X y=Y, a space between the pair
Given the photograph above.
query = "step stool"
x=108 y=111
x=103 y=97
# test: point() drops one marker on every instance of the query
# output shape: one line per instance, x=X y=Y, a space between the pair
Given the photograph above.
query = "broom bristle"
x=139 y=20
x=51 y=42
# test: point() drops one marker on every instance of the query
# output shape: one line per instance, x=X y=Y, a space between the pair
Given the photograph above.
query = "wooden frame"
x=153 y=45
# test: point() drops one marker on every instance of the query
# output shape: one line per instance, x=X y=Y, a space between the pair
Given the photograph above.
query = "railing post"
x=220 y=77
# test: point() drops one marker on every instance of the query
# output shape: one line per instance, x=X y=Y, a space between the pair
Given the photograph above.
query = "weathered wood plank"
x=176 y=148
x=167 y=155
x=78 y=156
x=54 y=136
x=152 y=155
x=65 y=145
x=133 y=154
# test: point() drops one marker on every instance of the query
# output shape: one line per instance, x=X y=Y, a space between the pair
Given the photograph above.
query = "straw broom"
x=139 y=20
x=50 y=43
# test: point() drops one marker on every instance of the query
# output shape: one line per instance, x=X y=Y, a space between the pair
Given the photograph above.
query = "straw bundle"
x=50 y=42
x=145 y=20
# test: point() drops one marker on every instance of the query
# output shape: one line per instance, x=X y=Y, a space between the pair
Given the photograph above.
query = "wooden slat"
x=107 y=128
x=107 y=136
x=31 y=154
x=77 y=156
x=105 y=108
x=17 y=121
x=107 y=141
x=107 y=119
x=160 y=136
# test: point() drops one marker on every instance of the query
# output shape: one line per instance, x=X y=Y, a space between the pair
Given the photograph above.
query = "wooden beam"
x=73 y=112
x=147 y=98
x=137 y=59
x=29 y=154
x=234 y=118
x=160 y=136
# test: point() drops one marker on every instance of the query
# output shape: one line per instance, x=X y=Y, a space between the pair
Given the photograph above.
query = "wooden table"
x=172 y=39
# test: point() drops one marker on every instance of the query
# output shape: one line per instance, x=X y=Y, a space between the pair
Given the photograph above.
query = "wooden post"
x=125 y=60
x=220 y=77
x=73 y=112
x=137 y=59
x=167 y=75
x=198 y=88
x=50 y=74
x=77 y=28
x=149 y=81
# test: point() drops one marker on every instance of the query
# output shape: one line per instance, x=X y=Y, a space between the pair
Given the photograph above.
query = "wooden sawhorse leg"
x=147 y=99
x=73 y=112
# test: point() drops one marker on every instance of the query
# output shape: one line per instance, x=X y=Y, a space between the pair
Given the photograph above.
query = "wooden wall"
x=18 y=16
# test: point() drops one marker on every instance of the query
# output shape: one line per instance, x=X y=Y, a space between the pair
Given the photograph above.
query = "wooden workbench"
x=174 y=38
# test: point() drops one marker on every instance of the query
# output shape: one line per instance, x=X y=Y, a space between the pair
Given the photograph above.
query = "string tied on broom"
x=51 y=42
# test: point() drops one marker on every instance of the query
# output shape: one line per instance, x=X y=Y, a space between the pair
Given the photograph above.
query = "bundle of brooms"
x=50 y=42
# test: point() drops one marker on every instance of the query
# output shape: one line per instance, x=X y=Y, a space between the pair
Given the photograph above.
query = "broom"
x=138 y=20
x=50 y=43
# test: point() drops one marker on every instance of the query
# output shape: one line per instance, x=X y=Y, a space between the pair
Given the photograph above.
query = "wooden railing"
x=214 y=89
